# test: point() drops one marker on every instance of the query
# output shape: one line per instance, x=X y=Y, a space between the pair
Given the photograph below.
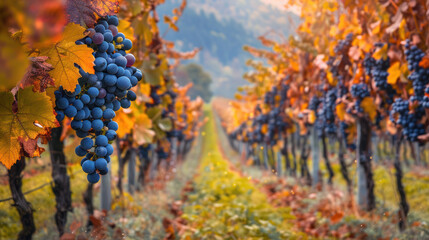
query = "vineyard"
x=99 y=139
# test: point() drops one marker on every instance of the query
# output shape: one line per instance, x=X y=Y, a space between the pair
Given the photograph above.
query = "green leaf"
x=165 y=124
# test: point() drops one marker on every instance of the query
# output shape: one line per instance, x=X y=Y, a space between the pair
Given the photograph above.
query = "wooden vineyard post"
x=105 y=192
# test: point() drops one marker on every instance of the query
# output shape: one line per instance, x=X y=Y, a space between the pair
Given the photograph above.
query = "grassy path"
x=226 y=205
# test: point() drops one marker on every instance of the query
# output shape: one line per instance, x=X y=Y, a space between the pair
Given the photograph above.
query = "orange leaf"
x=28 y=118
x=337 y=217
x=381 y=53
x=64 y=54
x=369 y=107
x=424 y=63
x=394 y=73
x=341 y=111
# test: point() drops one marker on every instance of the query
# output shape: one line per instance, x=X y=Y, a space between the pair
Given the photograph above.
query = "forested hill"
x=223 y=39
x=221 y=28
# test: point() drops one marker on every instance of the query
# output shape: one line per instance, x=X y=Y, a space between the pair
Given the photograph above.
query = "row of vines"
x=351 y=83
x=94 y=74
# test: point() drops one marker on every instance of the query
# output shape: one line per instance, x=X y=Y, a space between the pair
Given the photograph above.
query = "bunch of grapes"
x=144 y=151
x=359 y=91
x=368 y=63
x=344 y=45
x=328 y=109
x=343 y=128
x=409 y=120
x=314 y=103
x=161 y=153
x=419 y=75
x=269 y=98
x=93 y=104
x=283 y=93
x=425 y=100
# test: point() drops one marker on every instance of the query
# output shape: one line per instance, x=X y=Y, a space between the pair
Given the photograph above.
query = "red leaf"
x=38 y=75
x=75 y=226
x=30 y=147
x=68 y=236
x=337 y=217
x=87 y=11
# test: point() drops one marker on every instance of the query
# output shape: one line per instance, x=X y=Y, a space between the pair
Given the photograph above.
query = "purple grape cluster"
x=344 y=45
x=411 y=127
x=419 y=75
x=274 y=119
x=360 y=91
x=93 y=104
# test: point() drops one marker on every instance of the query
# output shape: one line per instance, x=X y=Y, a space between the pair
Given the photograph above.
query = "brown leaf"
x=87 y=11
x=38 y=75
x=68 y=236
x=30 y=147
x=75 y=226
x=337 y=217
x=424 y=63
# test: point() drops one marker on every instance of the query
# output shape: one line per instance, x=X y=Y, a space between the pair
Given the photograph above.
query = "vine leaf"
x=381 y=53
x=369 y=107
x=165 y=124
x=65 y=54
x=13 y=62
x=23 y=120
x=87 y=11
x=142 y=131
x=394 y=73
x=125 y=122
x=38 y=75
x=9 y=151
x=341 y=111
x=31 y=148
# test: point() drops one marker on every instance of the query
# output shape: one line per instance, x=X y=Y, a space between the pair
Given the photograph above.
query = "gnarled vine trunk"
x=293 y=150
x=285 y=152
x=20 y=203
x=61 y=186
x=326 y=158
x=403 y=204
x=343 y=165
x=305 y=152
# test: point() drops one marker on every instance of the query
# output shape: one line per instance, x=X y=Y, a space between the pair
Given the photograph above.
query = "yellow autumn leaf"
x=369 y=107
x=394 y=73
x=14 y=62
x=125 y=122
x=33 y=116
x=311 y=117
x=264 y=129
x=64 y=54
x=331 y=79
x=295 y=66
x=342 y=23
x=9 y=151
x=142 y=130
x=144 y=88
x=126 y=28
x=341 y=111
x=381 y=53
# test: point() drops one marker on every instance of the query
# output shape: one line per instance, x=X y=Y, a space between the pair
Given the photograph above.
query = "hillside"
x=221 y=29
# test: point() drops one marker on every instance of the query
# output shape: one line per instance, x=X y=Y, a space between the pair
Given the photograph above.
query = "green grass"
x=42 y=201
x=227 y=205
